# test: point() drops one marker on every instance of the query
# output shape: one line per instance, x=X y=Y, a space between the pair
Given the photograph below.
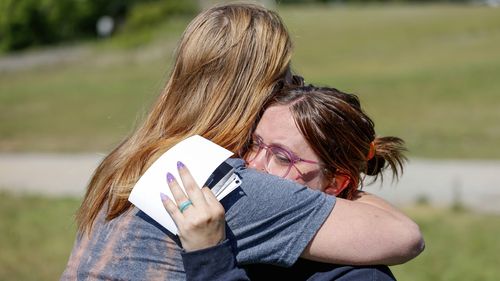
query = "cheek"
x=316 y=184
x=294 y=177
x=320 y=182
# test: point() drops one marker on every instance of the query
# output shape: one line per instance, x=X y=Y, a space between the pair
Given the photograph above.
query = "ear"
x=337 y=185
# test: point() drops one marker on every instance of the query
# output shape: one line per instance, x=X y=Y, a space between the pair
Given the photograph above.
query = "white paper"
x=200 y=156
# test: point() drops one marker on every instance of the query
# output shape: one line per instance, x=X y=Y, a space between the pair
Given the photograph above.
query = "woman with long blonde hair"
x=229 y=60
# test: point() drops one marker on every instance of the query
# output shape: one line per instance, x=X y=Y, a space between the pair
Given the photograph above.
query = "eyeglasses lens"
x=279 y=161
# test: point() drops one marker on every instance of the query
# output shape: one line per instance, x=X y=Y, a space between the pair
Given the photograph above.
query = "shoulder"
x=273 y=219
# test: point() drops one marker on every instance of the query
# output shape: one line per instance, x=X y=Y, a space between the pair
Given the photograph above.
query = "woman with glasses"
x=227 y=64
x=319 y=137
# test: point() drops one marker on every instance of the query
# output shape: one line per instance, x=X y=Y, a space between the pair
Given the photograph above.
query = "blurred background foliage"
x=26 y=23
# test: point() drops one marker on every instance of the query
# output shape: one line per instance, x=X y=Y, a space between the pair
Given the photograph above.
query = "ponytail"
x=388 y=153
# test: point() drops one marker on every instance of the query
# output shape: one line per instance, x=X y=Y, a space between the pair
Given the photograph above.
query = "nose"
x=258 y=161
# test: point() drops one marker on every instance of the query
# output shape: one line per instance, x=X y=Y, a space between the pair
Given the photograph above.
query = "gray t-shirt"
x=271 y=219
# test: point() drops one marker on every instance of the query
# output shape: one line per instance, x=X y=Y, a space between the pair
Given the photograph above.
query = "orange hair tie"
x=371 y=152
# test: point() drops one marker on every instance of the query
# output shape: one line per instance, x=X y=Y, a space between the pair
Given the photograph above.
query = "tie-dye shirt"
x=271 y=220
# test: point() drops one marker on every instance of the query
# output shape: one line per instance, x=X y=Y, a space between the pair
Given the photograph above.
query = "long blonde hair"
x=228 y=61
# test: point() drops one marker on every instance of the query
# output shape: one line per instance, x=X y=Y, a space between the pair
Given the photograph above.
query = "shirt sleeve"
x=273 y=219
x=214 y=263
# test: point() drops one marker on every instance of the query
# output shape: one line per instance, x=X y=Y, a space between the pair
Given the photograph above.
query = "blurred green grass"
x=426 y=73
x=460 y=245
x=37 y=234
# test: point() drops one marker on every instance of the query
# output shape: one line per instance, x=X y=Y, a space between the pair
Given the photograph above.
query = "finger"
x=172 y=209
x=212 y=202
x=209 y=195
x=179 y=195
x=190 y=186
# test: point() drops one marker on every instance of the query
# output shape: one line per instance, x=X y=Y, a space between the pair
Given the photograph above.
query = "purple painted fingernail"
x=180 y=165
x=170 y=178
x=163 y=196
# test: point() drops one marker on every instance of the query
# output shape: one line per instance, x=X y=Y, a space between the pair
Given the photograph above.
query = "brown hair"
x=227 y=63
x=341 y=134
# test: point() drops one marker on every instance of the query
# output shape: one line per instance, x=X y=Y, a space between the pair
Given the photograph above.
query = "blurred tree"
x=25 y=23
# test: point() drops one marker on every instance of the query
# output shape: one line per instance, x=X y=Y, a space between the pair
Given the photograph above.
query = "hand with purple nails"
x=198 y=214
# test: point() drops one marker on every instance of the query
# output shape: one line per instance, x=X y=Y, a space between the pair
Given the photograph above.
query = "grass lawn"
x=426 y=73
x=459 y=246
x=36 y=236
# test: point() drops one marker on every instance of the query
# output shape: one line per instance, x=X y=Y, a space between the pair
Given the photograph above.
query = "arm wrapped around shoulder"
x=364 y=233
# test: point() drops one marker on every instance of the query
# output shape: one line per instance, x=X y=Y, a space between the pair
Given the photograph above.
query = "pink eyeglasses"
x=279 y=160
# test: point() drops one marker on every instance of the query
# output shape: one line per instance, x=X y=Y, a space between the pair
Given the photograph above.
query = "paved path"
x=474 y=183
x=43 y=57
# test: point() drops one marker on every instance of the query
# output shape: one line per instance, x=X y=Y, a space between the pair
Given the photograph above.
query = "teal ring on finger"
x=183 y=206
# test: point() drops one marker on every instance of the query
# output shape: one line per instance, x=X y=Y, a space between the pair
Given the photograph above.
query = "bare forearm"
x=368 y=198
x=360 y=233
